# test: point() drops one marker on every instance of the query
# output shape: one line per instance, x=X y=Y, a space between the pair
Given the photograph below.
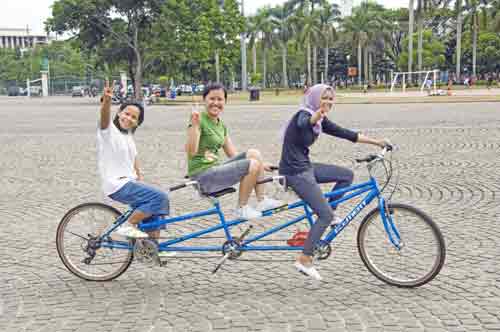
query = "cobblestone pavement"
x=449 y=167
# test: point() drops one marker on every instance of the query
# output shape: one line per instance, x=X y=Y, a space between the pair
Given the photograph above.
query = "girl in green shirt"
x=207 y=134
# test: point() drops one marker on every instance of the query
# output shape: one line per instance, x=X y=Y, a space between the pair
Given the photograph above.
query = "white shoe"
x=268 y=203
x=309 y=271
x=247 y=212
x=131 y=232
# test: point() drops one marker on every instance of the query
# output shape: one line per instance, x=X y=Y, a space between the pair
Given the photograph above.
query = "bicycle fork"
x=389 y=226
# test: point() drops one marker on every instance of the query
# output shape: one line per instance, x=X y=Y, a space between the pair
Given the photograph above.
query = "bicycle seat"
x=221 y=192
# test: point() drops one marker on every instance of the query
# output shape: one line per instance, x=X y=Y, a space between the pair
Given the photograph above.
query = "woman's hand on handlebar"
x=385 y=143
x=268 y=167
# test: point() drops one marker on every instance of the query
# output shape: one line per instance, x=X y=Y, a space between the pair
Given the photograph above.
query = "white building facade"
x=20 y=38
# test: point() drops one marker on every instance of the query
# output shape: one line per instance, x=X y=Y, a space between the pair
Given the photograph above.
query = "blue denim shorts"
x=142 y=197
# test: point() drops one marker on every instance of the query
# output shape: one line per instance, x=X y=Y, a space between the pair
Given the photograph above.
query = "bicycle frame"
x=370 y=187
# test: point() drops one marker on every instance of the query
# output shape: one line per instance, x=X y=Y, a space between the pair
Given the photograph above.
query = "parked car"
x=77 y=91
x=183 y=88
x=200 y=87
x=13 y=91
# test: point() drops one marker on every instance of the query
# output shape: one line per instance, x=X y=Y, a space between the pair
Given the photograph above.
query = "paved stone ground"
x=448 y=158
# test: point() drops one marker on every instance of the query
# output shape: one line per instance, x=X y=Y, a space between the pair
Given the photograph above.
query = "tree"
x=458 y=50
x=359 y=27
x=253 y=31
x=432 y=53
x=306 y=26
x=329 y=15
x=473 y=8
x=411 y=11
x=127 y=22
x=265 y=27
x=282 y=20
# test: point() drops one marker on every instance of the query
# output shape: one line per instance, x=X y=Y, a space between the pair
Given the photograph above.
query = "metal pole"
x=434 y=80
x=243 y=53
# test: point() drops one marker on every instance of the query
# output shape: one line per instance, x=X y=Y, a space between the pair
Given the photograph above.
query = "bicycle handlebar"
x=372 y=157
x=182 y=185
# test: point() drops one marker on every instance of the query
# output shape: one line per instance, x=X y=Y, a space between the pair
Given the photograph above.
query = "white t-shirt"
x=116 y=153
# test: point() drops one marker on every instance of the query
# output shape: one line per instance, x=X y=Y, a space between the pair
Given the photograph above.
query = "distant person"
x=489 y=81
x=428 y=86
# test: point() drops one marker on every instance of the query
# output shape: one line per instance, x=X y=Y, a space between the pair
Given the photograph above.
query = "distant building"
x=20 y=38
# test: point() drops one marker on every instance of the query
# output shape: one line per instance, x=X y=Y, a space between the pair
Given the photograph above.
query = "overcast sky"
x=19 y=13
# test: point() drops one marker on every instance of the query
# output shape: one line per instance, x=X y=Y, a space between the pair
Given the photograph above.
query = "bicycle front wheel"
x=80 y=248
x=420 y=255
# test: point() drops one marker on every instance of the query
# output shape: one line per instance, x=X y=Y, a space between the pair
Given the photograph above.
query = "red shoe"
x=298 y=239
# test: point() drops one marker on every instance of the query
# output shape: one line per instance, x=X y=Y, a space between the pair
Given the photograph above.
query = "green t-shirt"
x=212 y=137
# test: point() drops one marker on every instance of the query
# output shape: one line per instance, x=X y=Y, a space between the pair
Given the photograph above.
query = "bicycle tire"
x=407 y=228
x=64 y=251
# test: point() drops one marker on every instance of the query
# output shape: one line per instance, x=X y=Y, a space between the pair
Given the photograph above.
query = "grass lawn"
x=293 y=97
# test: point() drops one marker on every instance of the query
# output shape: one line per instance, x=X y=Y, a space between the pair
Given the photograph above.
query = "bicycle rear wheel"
x=80 y=249
x=421 y=255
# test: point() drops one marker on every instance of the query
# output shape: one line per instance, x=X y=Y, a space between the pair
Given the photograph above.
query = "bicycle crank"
x=231 y=249
x=146 y=251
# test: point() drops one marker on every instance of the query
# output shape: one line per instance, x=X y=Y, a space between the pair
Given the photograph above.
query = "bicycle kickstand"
x=229 y=253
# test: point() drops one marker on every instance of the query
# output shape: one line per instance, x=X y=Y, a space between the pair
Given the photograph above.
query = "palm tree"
x=306 y=26
x=474 y=10
x=411 y=11
x=458 y=8
x=282 y=17
x=328 y=15
x=253 y=34
x=266 y=27
x=359 y=27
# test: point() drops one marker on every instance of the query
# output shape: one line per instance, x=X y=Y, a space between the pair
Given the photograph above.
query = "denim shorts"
x=223 y=176
x=142 y=197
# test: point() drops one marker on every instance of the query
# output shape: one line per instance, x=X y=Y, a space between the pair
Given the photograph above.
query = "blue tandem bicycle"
x=398 y=243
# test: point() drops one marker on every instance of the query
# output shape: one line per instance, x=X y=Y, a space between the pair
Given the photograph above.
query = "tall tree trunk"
x=315 y=65
x=138 y=66
x=474 y=43
x=254 y=57
x=217 y=65
x=459 y=38
x=264 y=67
x=420 y=29
x=410 y=36
x=370 y=67
x=284 y=82
x=326 y=63
x=360 y=60
x=309 y=80
x=366 y=64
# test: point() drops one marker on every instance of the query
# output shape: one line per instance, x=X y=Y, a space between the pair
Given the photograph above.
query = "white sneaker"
x=309 y=271
x=131 y=232
x=268 y=203
x=247 y=212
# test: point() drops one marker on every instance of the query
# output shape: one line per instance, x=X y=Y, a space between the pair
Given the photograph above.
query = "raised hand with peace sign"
x=107 y=95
